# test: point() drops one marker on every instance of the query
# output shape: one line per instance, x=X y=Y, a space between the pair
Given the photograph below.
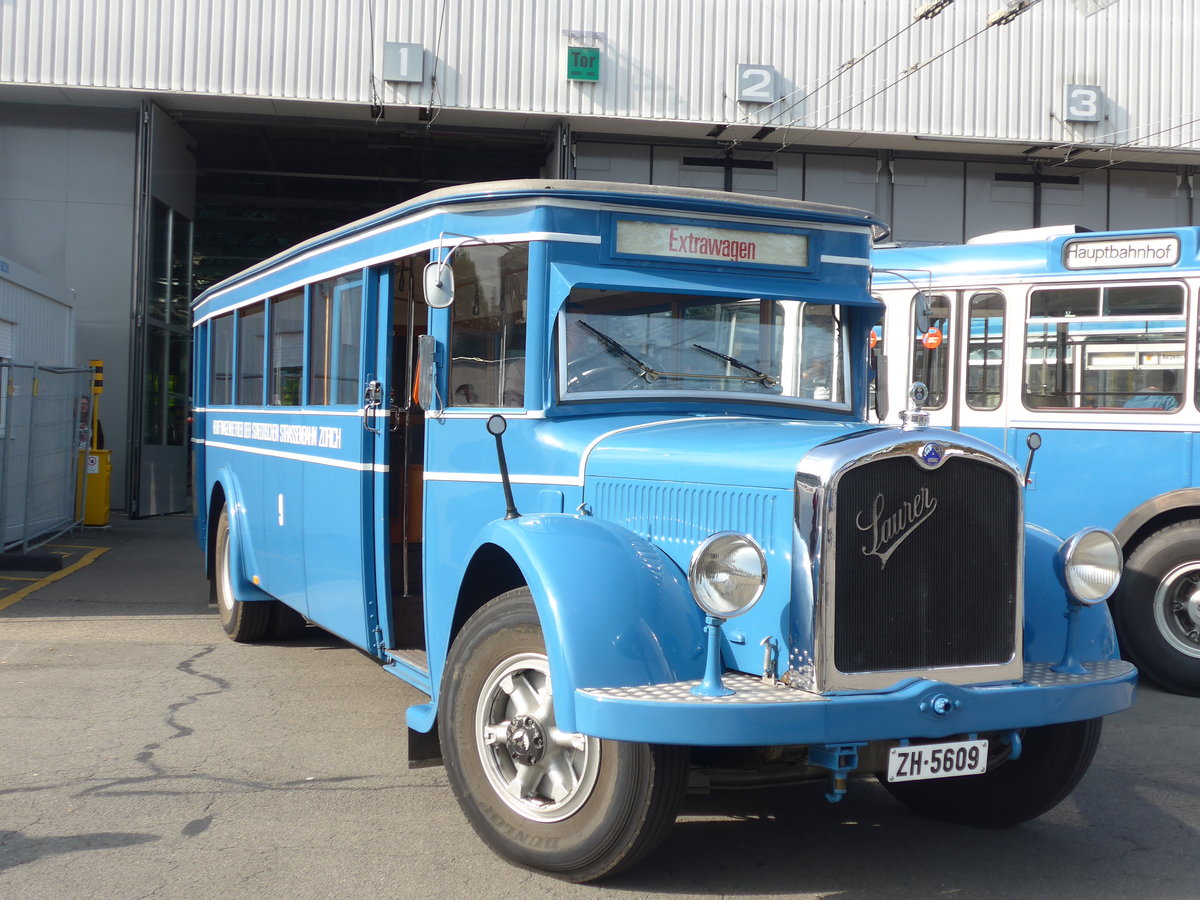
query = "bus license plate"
x=918 y=762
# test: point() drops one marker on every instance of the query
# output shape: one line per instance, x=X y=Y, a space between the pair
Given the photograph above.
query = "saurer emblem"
x=888 y=530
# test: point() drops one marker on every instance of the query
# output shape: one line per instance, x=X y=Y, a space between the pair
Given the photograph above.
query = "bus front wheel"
x=243 y=622
x=1158 y=607
x=574 y=806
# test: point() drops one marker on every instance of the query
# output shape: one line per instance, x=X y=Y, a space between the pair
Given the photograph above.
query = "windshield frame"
x=696 y=394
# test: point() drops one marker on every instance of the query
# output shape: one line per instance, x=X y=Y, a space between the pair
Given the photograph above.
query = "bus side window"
x=334 y=340
x=287 y=349
x=220 y=376
x=251 y=339
x=931 y=350
x=487 y=328
x=1116 y=347
x=985 y=350
x=1158 y=340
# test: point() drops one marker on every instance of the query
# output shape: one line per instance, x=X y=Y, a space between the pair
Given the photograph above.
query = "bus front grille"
x=926 y=565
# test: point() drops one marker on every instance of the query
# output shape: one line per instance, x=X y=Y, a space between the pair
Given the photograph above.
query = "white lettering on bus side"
x=327 y=436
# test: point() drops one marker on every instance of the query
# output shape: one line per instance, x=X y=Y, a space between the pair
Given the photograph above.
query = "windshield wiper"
x=614 y=347
x=761 y=377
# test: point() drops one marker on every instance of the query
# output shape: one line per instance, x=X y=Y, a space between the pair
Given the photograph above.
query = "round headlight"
x=727 y=574
x=1091 y=565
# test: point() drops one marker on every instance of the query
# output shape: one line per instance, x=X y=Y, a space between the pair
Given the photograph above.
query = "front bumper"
x=759 y=714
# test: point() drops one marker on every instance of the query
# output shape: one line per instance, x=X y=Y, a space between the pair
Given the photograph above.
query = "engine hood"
x=720 y=450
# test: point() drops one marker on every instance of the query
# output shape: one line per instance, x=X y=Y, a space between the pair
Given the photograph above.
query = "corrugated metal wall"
x=671 y=60
x=43 y=324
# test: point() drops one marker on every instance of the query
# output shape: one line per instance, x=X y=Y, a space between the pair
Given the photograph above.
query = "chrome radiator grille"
x=925 y=565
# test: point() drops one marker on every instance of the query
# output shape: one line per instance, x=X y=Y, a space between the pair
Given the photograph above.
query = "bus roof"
x=1039 y=253
x=692 y=200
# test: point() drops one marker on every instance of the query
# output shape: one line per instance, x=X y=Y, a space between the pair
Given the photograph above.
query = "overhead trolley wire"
x=1093 y=147
x=906 y=74
x=841 y=70
x=928 y=11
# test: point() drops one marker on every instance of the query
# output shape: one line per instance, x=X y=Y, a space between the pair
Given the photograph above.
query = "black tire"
x=1157 y=608
x=286 y=623
x=243 y=622
x=621 y=798
x=1053 y=759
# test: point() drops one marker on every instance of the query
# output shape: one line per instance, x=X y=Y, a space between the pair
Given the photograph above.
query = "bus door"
x=979 y=362
x=931 y=355
x=960 y=359
x=399 y=555
x=339 y=532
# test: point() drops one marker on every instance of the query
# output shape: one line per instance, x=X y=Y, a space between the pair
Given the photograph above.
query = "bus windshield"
x=627 y=342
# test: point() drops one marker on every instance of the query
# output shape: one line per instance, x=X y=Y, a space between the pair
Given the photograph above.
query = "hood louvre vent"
x=683 y=515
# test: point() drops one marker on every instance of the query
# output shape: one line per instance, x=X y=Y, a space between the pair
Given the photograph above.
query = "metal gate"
x=43 y=426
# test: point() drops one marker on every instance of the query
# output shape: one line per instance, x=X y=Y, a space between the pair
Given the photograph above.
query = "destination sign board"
x=731 y=245
x=1113 y=253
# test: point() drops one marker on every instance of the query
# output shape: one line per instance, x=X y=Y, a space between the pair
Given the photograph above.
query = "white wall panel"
x=862 y=67
x=928 y=200
x=1144 y=199
x=843 y=180
x=991 y=205
x=39 y=316
x=1083 y=204
x=613 y=162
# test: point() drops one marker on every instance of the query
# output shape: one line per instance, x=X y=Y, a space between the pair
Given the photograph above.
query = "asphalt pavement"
x=143 y=754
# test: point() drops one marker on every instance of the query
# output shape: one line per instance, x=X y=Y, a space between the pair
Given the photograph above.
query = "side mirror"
x=1034 y=443
x=439 y=285
x=426 y=370
x=921 y=311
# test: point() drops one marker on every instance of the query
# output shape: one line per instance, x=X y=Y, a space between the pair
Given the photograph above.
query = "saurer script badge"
x=888 y=529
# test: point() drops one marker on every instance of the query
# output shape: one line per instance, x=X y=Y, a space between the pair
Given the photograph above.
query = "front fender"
x=1046 y=606
x=615 y=610
x=242 y=558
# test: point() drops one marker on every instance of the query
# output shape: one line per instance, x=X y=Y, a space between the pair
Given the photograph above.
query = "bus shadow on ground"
x=791 y=841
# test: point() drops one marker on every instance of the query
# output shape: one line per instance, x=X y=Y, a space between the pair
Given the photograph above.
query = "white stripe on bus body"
x=359 y=265
x=508 y=203
x=277 y=410
x=494 y=478
x=466 y=477
x=298 y=457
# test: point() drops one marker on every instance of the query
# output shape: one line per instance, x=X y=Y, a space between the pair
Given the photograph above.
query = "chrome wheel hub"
x=526 y=742
x=1177 y=608
x=540 y=772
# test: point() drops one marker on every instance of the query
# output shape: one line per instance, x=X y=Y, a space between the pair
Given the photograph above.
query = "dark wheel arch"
x=1053 y=760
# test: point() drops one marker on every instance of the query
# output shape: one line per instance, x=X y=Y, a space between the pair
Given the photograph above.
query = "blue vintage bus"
x=1089 y=340
x=587 y=464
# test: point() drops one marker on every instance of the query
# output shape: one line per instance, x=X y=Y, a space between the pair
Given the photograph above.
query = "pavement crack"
x=188 y=668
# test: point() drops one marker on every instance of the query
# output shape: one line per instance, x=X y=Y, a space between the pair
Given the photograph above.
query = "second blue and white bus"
x=1089 y=340
x=587 y=465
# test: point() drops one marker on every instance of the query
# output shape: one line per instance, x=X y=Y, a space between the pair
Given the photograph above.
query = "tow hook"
x=840 y=760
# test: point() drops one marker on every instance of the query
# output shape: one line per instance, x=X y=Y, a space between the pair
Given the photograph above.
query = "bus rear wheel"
x=243 y=622
x=1053 y=759
x=573 y=806
x=1158 y=608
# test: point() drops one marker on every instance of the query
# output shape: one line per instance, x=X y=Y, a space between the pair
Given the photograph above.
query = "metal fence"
x=43 y=426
